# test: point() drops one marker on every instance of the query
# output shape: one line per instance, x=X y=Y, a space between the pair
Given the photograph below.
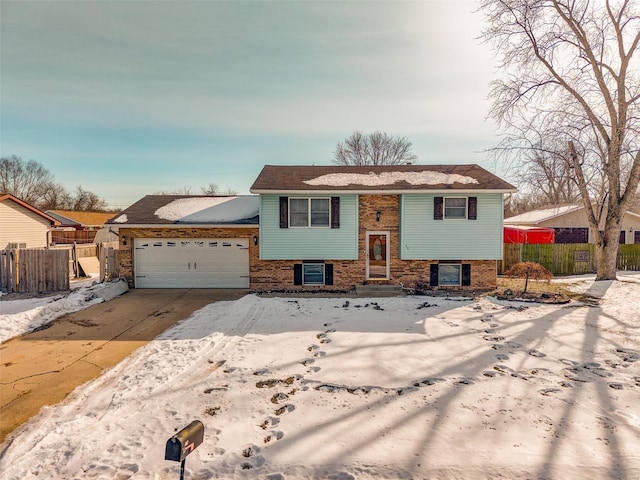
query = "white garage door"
x=191 y=262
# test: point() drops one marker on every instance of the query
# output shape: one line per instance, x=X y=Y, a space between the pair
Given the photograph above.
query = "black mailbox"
x=184 y=442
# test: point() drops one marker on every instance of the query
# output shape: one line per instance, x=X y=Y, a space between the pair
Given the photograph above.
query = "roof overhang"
x=443 y=191
x=177 y=226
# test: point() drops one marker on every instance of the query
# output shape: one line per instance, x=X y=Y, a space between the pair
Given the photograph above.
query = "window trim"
x=471 y=207
x=309 y=199
x=314 y=264
x=459 y=265
x=444 y=208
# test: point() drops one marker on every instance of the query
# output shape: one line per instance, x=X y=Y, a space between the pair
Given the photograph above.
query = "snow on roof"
x=121 y=219
x=210 y=209
x=389 y=178
x=537 y=216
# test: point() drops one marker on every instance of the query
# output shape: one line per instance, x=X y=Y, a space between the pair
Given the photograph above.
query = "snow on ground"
x=24 y=315
x=336 y=388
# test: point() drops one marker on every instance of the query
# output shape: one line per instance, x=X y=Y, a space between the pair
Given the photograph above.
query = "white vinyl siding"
x=423 y=238
x=308 y=243
x=21 y=225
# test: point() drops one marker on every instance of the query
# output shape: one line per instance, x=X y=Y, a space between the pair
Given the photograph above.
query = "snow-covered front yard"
x=337 y=388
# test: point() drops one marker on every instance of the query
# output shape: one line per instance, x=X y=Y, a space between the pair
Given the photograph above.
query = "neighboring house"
x=183 y=241
x=22 y=225
x=334 y=227
x=571 y=225
x=78 y=227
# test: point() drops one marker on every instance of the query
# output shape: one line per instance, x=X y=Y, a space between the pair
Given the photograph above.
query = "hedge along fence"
x=567 y=258
x=34 y=270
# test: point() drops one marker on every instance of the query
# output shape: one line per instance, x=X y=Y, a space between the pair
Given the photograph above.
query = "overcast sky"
x=128 y=98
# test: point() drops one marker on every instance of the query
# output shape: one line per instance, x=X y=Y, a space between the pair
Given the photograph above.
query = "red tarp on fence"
x=526 y=234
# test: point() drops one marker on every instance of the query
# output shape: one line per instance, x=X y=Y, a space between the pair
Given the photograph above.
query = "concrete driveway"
x=42 y=368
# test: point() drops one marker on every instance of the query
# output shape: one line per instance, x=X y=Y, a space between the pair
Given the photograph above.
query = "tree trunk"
x=607 y=250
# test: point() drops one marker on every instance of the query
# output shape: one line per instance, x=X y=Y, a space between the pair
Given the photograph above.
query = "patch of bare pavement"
x=42 y=367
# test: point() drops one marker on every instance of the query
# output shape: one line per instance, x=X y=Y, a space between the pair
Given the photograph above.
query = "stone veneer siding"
x=278 y=274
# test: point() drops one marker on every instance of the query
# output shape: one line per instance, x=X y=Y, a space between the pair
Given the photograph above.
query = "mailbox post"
x=183 y=443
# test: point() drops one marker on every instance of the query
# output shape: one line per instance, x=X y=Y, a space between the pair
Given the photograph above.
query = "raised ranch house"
x=323 y=228
x=333 y=227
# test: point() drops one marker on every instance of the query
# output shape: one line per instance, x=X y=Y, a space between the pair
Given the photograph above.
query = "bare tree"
x=570 y=70
x=85 y=201
x=26 y=180
x=377 y=148
x=213 y=189
x=56 y=197
x=31 y=182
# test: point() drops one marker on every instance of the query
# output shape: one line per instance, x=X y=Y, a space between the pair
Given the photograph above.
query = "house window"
x=309 y=212
x=313 y=274
x=450 y=275
x=455 y=208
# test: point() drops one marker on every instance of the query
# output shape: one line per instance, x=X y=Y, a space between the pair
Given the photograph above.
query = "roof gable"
x=371 y=179
x=190 y=209
x=10 y=198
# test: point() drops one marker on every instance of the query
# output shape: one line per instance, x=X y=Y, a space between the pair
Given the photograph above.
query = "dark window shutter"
x=466 y=274
x=433 y=277
x=335 y=212
x=328 y=274
x=297 y=274
x=438 y=208
x=472 y=213
x=284 y=212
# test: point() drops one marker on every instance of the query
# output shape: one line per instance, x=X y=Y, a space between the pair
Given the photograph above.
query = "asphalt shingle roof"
x=190 y=209
x=287 y=178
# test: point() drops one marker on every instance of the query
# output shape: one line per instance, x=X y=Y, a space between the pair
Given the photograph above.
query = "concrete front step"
x=379 y=290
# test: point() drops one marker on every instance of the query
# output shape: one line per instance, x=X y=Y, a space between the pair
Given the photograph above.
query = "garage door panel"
x=191 y=263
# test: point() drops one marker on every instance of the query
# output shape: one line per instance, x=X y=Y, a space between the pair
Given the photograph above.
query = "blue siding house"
x=335 y=227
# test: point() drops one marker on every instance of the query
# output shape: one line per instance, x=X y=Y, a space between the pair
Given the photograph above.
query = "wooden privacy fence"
x=72 y=236
x=109 y=262
x=34 y=270
x=105 y=253
x=566 y=258
x=39 y=270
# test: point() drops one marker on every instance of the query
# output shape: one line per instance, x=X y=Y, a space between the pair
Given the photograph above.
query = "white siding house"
x=22 y=225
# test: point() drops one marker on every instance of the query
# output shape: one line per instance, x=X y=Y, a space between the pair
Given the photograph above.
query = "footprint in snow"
x=536 y=353
x=273 y=436
x=549 y=391
x=285 y=409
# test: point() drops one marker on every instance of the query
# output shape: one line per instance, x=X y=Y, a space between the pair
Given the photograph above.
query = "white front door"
x=377 y=255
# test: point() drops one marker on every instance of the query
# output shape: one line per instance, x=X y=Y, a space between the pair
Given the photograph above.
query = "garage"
x=191 y=262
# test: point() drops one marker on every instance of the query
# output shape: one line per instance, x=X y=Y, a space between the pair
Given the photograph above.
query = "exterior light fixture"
x=255 y=240
x=378 y=214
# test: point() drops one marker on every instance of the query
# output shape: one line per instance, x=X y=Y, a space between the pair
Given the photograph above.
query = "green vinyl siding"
x=308 y=243
x=423 y=238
